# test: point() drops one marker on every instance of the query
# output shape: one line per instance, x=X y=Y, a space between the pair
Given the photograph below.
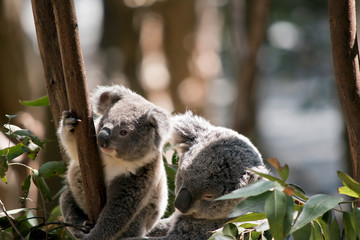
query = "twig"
x=11 y=220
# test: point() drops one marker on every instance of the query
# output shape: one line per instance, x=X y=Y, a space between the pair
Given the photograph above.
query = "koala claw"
x=70 y=121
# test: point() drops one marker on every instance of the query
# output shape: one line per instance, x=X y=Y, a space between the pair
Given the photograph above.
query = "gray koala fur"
x=213 y=161
x=131 y=133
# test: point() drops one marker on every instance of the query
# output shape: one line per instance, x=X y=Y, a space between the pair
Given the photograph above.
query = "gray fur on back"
x=213 y=161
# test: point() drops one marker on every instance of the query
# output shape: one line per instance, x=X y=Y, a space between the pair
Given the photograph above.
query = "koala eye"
x=208 y=197
x=123 y=132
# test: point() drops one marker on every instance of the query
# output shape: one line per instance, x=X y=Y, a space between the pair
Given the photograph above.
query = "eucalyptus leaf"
x=316 y=231
x=355 y=220
x=250 y=217
x=52 y=168
x=28 y=133
x=334 y=230
x=349 y=230
x=39 y=102
x=348 y=191
x=25 y=188
x=42 y=186
x=3 y=166
x=231 y=230
x=349 y=182
x=303 y=233
x=13 y=151
x=275 y=210
x=10 y=116
x=250 y=204
x=253 y=189
x=316 y=206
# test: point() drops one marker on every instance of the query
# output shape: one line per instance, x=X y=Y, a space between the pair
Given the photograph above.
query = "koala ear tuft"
x=104 y=97
x=106 y=100
x=159 y=119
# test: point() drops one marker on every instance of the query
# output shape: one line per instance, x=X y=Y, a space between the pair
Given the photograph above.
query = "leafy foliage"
x=27 y=225
x=274 y=209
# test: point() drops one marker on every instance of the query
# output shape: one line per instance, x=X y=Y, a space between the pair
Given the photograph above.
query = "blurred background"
x=263 y=68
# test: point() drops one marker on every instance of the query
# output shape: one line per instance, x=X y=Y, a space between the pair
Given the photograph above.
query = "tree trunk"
x=120 y=43
x=179 y=41
x=346 y=66
x=58 y=39
x=244 y=121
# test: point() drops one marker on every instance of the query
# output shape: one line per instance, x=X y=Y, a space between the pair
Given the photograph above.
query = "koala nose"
x=183 y=200
x=103 y=138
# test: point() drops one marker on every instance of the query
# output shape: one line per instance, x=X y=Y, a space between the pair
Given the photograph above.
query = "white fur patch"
x=114 y=167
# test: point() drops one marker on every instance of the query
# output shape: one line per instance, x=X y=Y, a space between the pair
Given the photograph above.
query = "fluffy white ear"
x=187 y=128
x=159 y=119
x=104 y=97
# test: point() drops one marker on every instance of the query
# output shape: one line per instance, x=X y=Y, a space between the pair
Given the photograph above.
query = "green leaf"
x=348 y=191
x=52 y=168
x=288 y=219
x=315 y=207
x=275 y=210
x=4 y=179
x=324 y=228
x=250 y=217
x=355 y=220
x=334 y=230
x=269 y=177
x=231 y=230
x=13 y=151
x=220 y=236
x=303 y=233
x=349 y=182
x=284 y=172
x=10 y=116
x=55 y=214
x=25 y=188
x=40 y=102
x=253 y=189
x=3 y=166
x=28 y=133
x=316 y=232
x=250 y=204
x=13 y=211
x=349 y=230
x=42 y=186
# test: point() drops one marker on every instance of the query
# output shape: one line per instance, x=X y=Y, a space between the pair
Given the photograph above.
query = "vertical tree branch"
x=346 y=66
x=51 y=58
x=76 y=85
x=59 y=44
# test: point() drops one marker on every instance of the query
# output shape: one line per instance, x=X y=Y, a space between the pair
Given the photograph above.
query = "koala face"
x=130 y=127
x=125 y=136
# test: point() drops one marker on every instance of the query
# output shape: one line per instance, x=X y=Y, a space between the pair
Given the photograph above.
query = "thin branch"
x=10 y=220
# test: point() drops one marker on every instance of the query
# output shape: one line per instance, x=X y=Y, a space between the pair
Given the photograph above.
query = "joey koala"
x=213 y=161
x=131 y=133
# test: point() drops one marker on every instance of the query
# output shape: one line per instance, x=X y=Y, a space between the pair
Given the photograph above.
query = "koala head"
x=129 y=127
x=213 y=161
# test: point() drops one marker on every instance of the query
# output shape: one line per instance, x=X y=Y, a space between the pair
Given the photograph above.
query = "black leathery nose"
x=184 y=200
x=103 y=137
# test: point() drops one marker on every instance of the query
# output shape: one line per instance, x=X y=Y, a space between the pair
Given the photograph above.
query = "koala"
x=213 y=161
x=130 y=133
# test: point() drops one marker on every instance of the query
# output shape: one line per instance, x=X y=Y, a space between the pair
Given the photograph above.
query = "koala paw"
x=69 y=121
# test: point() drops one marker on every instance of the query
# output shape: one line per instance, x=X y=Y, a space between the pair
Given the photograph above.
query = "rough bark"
x=346 y=66
x=51 y=58
x=245 y=105
x=64 y=44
